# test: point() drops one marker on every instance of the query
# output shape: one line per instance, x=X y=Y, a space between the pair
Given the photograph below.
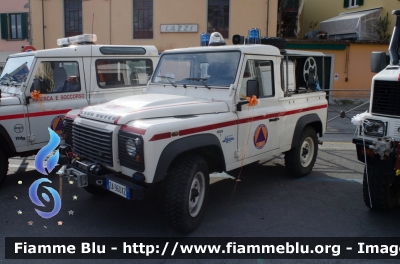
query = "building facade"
x=165 y=24
x=14 y=28
x=318 y=11
x=350 y=55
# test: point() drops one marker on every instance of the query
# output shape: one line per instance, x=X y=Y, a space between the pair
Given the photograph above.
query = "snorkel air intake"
x=394 y=42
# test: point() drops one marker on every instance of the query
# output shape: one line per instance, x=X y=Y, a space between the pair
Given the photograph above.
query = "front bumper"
x=360 y=149
x=83 y=179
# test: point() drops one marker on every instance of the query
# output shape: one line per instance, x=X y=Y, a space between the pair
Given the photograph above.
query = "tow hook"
x=320 y=142
x=66 y=171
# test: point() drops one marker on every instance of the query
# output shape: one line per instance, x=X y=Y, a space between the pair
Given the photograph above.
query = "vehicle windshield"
x=16 y=70
x=202 y=69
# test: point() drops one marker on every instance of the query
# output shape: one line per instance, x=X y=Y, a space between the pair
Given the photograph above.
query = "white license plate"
x=119 y=189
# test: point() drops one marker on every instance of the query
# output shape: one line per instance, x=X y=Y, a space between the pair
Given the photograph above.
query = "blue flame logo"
x=46 y=150
x=35 y=199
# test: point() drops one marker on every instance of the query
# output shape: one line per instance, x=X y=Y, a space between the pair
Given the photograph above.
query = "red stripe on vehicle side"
x=234 y=122
x=6 y=117
x=205 y=128
x=136 y=130
x=47 y=113
x=161 y=136
x=37 y=114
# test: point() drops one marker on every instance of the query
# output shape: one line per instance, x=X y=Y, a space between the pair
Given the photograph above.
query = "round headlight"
x=130 y=147
x=65 y=123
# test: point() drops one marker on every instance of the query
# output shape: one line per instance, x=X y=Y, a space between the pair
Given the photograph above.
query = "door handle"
x=274 y=119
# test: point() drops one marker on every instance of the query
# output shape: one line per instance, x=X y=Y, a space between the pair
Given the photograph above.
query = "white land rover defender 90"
x=194 y=119
x=378 y=135
x=65 y=78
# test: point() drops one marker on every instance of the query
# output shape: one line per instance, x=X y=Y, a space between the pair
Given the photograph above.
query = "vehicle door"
x=55 y=87
x=258 y=126
x=119 y=77
x=12 y=110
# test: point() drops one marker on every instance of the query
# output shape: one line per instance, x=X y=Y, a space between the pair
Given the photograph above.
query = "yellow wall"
x=243 y=15
x=358 y=75
x=320 y=10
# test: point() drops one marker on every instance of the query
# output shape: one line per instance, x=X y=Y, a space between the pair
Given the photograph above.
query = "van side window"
x=111 y=73
x=57 y=77
x=263 y=72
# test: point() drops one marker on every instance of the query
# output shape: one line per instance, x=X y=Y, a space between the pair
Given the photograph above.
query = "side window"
x=57 y=77
x=113 y=73
x=262 y=71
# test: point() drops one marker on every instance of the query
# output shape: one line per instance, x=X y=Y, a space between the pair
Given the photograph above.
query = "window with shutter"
x=24 y=25
x=4 y=26
x=352 y=3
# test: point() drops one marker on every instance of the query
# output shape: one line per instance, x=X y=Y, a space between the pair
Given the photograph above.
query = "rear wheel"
x=3 y=166
x=186 y=192
x=300 y=160
x=382 y=185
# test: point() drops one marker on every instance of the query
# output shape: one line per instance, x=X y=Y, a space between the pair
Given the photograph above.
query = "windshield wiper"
x=168 y=78
x=200 y=80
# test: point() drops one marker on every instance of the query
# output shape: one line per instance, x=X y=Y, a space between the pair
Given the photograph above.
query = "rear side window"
x=112 y=73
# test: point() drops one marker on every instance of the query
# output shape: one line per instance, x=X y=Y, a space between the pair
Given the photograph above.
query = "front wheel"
x=300 y=160
x=3 y=166
x=186 y=192
x=382 y=187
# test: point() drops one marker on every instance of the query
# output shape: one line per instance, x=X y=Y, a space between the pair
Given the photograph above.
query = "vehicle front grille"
x=126 y=160
x=93 y=143
x=67 y=131
x=386 y=98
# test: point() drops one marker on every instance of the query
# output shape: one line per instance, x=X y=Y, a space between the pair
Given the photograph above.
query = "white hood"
x=124 y=110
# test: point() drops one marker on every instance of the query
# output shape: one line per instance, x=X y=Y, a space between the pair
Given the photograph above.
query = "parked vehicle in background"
x=378 y=137
x=65 y=78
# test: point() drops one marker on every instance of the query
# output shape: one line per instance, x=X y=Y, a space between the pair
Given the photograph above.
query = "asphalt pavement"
x=266 y=202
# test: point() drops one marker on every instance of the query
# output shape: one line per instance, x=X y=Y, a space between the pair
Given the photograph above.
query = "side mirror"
x=252 y=88
x=378 y=61
x=35 y=85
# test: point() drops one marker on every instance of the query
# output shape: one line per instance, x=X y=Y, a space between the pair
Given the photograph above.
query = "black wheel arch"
x=8 y=147
x=309 y=119
x=206 y=144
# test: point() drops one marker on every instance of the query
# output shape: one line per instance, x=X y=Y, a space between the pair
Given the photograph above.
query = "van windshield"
x=16 y=70
x=199 y=69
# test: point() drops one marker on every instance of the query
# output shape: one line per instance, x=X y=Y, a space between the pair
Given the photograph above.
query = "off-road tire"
x=296 y=165
x=280 y=43
x=384 y=188
x=3 y=166
x=95 y=190
x=180 y=186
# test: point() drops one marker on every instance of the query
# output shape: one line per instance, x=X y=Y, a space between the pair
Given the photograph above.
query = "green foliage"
x=382 y=27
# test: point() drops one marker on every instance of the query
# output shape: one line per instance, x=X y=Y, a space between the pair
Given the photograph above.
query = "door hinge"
x=238 y=153
x=31 y=138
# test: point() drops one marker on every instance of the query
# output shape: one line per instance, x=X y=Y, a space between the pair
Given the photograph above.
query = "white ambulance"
x=75 y=75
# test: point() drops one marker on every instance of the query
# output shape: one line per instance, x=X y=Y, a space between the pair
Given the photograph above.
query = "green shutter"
x=4 y=26
x=360 y=2
x=346 y=3
x=24 y=25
